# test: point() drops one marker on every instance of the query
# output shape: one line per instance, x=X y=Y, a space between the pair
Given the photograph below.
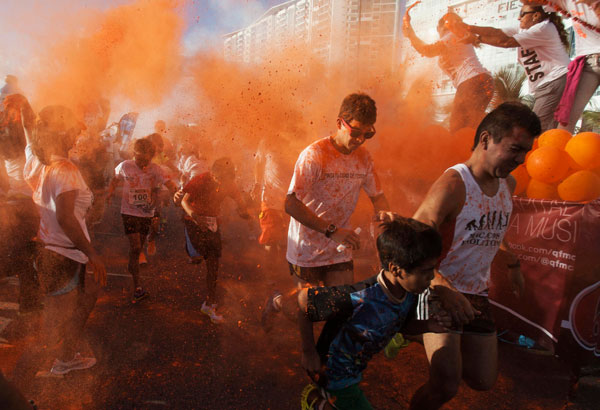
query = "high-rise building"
x=351 y=32
x=337 y=31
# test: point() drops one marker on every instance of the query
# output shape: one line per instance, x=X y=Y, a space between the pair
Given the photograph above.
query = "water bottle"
x=526 y=342
x=340 y=247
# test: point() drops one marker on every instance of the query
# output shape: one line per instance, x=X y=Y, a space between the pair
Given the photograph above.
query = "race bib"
x=140 y=197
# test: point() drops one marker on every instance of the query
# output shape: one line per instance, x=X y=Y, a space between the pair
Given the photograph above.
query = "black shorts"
x=206 y=243
x=483 y=324
x=136 y=224
x=317 y=274
x=57 y=273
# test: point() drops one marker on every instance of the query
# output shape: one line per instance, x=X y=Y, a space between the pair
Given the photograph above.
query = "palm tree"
x=590 y=120
x=508 y=82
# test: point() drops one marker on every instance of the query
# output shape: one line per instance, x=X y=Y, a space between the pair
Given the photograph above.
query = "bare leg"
x=135 y=247
x=480 y=361
x=445 y=370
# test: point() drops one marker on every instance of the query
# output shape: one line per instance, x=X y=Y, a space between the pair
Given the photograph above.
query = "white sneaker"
x=78 y=363
x=210 y=311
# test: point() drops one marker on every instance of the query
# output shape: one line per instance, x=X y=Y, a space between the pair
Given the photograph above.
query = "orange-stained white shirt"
x=328 y=183
x=47 y=183
x=478 y=232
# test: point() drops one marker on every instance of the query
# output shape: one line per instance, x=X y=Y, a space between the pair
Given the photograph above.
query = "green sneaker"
x=306 y=392
x=398 y=342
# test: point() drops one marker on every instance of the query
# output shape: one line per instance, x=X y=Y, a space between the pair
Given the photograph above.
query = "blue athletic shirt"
x=361 y=320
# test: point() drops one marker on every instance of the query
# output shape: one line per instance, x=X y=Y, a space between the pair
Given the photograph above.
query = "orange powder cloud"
x=293 y=100
x=131 y=51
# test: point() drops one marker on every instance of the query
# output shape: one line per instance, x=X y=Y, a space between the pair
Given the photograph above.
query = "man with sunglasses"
x=322 y=196
x=323 y=193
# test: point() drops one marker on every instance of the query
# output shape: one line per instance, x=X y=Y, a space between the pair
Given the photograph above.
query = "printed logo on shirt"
x=530 y=60
x=346 y=175
x=492 y=221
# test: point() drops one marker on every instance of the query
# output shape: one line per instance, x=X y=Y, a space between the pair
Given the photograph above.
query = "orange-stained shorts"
x=273 y=226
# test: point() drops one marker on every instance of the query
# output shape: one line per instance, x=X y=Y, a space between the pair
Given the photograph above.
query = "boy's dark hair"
x=502 y=119
x=407 y=243
x=223 y=167
x=359 y=107
x=145 y=146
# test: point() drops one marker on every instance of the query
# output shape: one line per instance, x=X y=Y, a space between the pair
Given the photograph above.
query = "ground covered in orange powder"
x=163 y=353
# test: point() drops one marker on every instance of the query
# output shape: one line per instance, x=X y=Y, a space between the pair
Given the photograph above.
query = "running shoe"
x=309 y=390
x=78 y=363
x=210 y=311
x=393 y=348
x=151 y=248
x=139 y=294
x=143 y=260
x=270 y=311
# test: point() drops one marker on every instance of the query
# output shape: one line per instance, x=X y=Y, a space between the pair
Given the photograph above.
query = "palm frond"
x=508 y=82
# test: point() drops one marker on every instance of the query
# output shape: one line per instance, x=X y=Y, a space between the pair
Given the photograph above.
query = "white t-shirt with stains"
x=459 y=60
x=328 y=183
x=138 y=186
x=48 y=182
x=587 y=41
x=541 y=54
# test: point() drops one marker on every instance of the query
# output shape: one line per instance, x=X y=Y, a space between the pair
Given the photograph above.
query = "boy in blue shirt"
x=362 y=318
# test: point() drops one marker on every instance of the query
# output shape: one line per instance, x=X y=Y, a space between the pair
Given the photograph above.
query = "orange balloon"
x=555 y=138
x=533 y=148
x=548 y=164
x=541 y=190
x=522 y=177
x=584 y=148
x=579 y=187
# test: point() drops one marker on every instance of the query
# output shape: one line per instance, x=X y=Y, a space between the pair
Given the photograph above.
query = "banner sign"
x=558 y=245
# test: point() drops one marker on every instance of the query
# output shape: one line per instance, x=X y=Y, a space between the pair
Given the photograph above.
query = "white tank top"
x=477 y=234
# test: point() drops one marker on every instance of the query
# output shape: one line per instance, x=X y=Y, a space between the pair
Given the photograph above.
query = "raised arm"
x=427 y=50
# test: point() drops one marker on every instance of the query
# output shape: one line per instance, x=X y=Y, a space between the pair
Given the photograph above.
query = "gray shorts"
x=547 y=98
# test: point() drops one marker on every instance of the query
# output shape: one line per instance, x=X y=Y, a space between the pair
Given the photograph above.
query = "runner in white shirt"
x=322 y=196
x=457 y=59
x=585 y=15
x=62 y=198
x=542 y=42
x=142 y=180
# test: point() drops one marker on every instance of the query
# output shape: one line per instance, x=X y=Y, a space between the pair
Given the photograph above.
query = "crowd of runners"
x=61 y=170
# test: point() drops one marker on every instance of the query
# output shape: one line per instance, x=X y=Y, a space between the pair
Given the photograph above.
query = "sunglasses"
x=524 y=13
x=357 y=132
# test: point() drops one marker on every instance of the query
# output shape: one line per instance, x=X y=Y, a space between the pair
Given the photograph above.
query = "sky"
x=208 y=20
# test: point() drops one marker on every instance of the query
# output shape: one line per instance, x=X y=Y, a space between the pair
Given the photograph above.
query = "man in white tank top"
x=471 y=205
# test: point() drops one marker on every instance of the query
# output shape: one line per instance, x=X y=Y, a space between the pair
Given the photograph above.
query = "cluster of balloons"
x=561 y=166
